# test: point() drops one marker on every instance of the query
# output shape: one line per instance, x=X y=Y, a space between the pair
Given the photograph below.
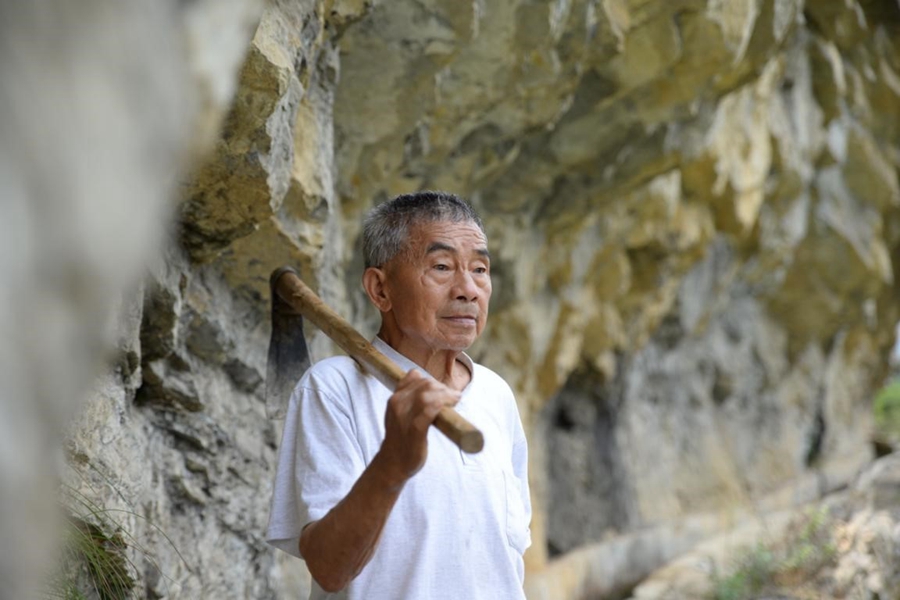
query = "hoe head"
x=288 y=352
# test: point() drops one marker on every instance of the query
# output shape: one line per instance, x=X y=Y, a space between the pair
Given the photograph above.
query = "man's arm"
x=338 y=546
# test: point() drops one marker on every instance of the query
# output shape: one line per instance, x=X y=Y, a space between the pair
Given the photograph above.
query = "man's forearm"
x=338 y=546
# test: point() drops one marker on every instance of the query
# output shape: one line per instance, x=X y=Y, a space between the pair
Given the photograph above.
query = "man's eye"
x=481 y=270
x=441 y=267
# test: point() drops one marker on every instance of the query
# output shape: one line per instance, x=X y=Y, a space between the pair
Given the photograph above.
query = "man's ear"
x=373 y=281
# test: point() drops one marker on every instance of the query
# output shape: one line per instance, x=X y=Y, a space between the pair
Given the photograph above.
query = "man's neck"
x=444 y=365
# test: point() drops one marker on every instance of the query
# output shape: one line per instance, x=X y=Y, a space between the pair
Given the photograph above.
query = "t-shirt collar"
x=406 y=364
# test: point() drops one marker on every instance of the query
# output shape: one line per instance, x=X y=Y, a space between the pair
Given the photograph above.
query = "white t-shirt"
x=460 y=525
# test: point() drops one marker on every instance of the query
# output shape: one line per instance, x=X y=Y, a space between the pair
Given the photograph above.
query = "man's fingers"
x=422 y=421
x=412 y=376
x=418 y=399
x=416 y=383
x=411 y=410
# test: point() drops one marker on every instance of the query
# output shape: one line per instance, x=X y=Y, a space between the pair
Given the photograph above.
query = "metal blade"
x=288 y=354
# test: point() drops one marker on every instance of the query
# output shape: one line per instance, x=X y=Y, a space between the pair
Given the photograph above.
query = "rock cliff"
x=694 y=217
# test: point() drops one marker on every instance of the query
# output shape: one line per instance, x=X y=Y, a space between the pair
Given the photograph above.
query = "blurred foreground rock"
x=102 y=108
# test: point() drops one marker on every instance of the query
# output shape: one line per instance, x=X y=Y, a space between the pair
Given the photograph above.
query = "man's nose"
x=466 y=288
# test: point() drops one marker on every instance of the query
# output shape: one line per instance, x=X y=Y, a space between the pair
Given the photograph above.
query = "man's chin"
x=461 y=345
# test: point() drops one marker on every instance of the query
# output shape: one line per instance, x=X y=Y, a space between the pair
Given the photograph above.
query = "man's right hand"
x=411 y=410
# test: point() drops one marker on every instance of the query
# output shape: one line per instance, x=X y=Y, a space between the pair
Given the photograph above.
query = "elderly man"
x=378 y=503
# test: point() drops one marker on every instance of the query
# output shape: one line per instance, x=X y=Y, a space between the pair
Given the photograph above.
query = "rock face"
x=695 y=290
x=692 y=208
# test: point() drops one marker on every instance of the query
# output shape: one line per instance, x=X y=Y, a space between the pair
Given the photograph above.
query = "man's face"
x=439 y=289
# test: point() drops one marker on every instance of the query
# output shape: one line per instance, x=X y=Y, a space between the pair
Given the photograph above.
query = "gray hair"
x=386 y=228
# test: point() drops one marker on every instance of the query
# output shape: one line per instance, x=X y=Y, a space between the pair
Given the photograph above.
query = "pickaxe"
x=289 y=356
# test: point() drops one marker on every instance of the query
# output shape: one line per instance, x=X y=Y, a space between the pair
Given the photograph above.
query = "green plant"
x=752 y=572
x=887 y=408
x=94 y=561
x=804 y=551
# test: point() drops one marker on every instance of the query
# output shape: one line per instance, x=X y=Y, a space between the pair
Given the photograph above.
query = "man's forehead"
x=447 y=235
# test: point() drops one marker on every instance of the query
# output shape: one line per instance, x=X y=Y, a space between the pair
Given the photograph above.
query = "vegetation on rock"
x=790 y=563
x=887 y=411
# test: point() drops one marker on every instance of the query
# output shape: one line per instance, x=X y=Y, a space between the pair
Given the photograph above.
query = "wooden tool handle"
x=297 y=294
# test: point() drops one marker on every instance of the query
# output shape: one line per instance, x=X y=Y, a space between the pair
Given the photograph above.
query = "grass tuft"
x=807 y=548
x=94 y=563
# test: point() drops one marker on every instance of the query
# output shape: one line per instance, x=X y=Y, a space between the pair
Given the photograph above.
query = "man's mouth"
x=466 y=319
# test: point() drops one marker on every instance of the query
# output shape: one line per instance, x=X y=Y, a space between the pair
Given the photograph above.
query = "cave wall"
x=692 y=208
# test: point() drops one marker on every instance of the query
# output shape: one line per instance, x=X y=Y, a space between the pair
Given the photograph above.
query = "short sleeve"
x=520 y=467
x=318 y=462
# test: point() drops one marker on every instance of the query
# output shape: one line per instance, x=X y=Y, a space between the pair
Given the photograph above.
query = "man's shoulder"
x=486 y=376
x=334 y=374
x=334 y=365
x=498 y=398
